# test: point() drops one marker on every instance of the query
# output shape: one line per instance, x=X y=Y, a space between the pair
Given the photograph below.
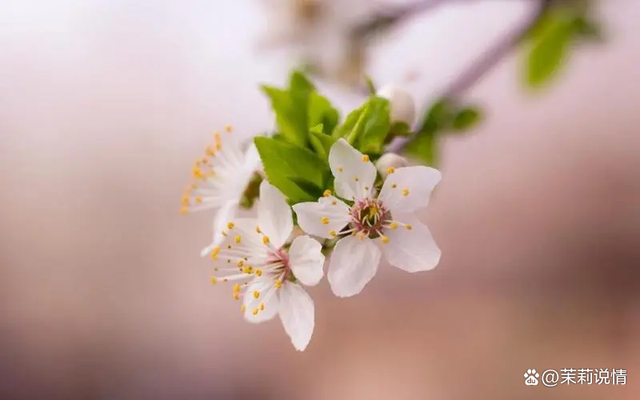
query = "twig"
x=486 y=62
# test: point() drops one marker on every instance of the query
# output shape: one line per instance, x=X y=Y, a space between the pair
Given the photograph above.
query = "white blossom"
x=267 y=273
x=372 y=224
x=221 y=178
x=403 y=108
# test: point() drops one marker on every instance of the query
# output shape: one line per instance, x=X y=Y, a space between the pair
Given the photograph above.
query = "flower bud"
x=390 y=161
x=403 y=108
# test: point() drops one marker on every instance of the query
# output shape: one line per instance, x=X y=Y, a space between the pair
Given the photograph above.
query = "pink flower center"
x=369 y=217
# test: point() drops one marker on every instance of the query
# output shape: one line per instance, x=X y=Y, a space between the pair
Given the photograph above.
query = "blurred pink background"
x=103 y=295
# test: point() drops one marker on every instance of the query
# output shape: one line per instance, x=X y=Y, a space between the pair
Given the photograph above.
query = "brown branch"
x=487 y=61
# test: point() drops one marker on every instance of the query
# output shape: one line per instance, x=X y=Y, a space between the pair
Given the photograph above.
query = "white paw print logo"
x=531 y=377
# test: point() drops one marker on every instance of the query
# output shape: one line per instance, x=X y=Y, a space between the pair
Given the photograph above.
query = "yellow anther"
x=236 y=287
x=215 y=252
x=332 y=233
x=258 y=229
x=218 y=140
x=248 y=269
x=197 y=173
x=405 y=192
x=228 y=128
x=229 y=246
x=236 y=296
x=255 y=311
x=365 y=158
x=198 y=199
x=230 y=225
x=334 y=203
x=210 y=152
x=185 y=200
x=256 y=294
x=393 y=225
x=390 y=170
x=240 y=263
x=360 y=236
x=265 y=239
x=214 y=280
x=393 y=186
x=258 y=272
x=237 y=239
x=356 y=179
x=184 y=210
x=340 y=169
x=384 y=239
x=243 y=308
x=261 y=306
x=278 y=284
x=327 y=193
x=324 y=220
x=225 y=280
x=409 y=227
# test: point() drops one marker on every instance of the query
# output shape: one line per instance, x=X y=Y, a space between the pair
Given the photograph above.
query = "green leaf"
x=309 y=187
x=351 y=121
x=373 y=129
x=371 y=86
x=322 y=112
x=291 y=107
x=286 y=165
x=321 y=142
x=588 y=29
x=424 y=148
x=466 y=119
x=438 y=117
x=551 y=43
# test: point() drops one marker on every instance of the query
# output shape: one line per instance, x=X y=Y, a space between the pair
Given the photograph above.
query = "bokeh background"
x=103 y=295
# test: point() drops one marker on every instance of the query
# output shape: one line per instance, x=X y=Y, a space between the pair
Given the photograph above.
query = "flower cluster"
x=345 y=206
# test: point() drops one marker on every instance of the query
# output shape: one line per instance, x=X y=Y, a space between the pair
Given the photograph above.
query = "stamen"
x=405 y=192
x=324 y=220
x=228 y=128
x=237 y=239
x=332 y=233
x=393 y=186
x=327 y=193
x=408 y=226
x=393 y=225
x=340 y=169
x=230 y=225
x=256 y=294
x=390 y=170
x=365 y=158
x=384 y=239
x=265 y=239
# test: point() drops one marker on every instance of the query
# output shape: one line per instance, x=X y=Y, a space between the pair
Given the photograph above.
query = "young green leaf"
x=291 y=120
x=372 y=130
x=287 y=164
x=551 y=43
x=424 y=148
x=466 y=118
x=322 y=112
x=351 y=121
x=320 y=141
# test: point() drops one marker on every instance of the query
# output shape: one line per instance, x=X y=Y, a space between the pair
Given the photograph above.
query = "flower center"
x=280 y=267
x=369 y=217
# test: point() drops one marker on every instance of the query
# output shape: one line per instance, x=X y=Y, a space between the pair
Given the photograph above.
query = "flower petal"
x=240 y=241
x=274 y=214
x=223 y=216
x=297 y=314
x=353 y=263
x=412 y=249
x=324 y=218
x=407 y=189
x=306 y=260
x=266 y=305
x=354 y=173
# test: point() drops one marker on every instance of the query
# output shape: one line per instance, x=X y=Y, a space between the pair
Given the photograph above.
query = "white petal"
x=274 y=214
x=306 y=260
x=323 y=218
x=403 y=108
x=268 y=297
x=223 y=216
x=408 y=189
x=252 y=159
x=411 y=250
x=297 y=314
x=354 y=173
x=353 y=263
x=240 y=241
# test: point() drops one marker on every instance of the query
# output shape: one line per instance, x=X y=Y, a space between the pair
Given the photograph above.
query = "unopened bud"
x=389 y=162
x=403 y=108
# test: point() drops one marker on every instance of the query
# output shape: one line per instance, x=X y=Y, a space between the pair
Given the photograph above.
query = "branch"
x=486 y=62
